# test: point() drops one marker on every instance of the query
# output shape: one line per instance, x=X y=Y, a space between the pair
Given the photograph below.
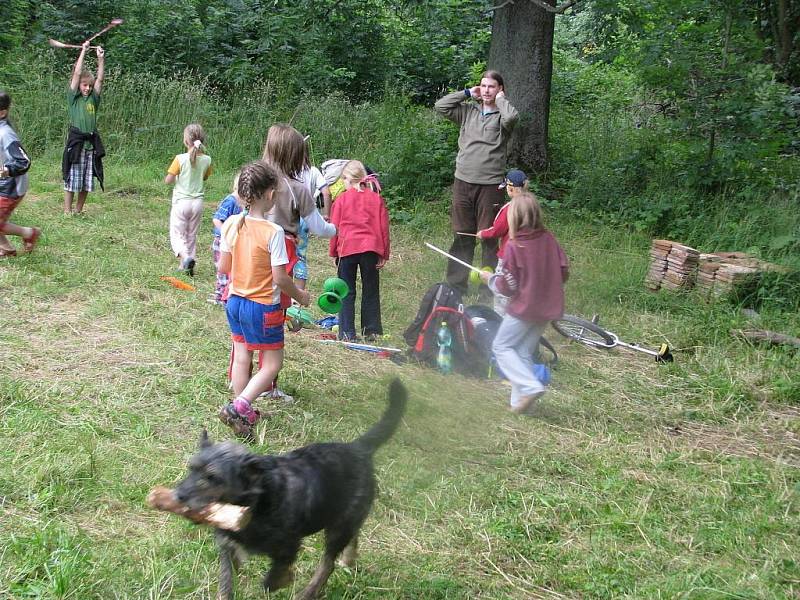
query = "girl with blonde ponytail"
x=188 y=172
x=361 y=244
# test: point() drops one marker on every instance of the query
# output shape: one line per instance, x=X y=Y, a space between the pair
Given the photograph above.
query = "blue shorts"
x=258 y=326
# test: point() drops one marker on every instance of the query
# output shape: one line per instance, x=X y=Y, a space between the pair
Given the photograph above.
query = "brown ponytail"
x=255 y=179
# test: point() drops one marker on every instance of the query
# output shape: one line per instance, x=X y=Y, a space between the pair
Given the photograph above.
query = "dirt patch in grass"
x=87 y=348
x=769 y=443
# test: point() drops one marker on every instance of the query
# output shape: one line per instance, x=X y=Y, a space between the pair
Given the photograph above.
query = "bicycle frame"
x=609 y=339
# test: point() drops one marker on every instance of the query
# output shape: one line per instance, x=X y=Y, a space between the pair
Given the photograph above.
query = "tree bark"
x=522 y=51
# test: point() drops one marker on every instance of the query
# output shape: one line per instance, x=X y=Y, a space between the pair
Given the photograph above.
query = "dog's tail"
x=383 y=429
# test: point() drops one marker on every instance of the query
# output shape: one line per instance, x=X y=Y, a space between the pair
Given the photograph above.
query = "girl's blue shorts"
x=259 y=326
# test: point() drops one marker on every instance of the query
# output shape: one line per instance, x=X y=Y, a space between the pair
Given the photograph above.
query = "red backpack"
x=442 y=304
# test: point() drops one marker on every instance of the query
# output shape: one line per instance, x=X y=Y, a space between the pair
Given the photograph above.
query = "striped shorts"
x=81 y=174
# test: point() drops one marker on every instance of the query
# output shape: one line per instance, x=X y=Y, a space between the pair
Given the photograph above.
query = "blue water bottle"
x=444 y=359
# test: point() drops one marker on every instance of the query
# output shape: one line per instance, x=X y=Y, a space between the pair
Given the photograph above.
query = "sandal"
x=30 y=241
x=4 y=252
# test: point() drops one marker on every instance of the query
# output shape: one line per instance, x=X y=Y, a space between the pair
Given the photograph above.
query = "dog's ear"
x=253 y=469
x=204 y=441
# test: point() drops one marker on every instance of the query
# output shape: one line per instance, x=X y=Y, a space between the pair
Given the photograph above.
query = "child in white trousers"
x=533 y=275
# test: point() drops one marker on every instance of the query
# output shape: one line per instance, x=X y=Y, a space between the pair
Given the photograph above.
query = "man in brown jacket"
x=486 y=119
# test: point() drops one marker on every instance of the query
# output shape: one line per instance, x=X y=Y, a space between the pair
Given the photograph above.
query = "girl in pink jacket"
x=361 y=243
x=534 y=271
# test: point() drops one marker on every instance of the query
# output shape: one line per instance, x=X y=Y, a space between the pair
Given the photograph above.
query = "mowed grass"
x=639 y=480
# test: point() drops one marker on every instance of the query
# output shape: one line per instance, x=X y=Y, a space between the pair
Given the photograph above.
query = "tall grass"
x=618 y=157
x=141 y=119
x=614 y=164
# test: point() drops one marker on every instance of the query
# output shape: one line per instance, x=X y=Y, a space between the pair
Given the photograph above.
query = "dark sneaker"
x=190 y=263
x=241 y=428
x=241 y=425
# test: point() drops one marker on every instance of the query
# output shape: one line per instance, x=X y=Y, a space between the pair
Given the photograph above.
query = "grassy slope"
x=641 y=481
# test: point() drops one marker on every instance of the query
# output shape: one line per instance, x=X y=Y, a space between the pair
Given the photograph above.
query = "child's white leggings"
x=513 y=348
x=184 y=222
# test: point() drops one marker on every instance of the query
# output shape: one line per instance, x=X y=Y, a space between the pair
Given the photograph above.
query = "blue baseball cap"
x=514 y=177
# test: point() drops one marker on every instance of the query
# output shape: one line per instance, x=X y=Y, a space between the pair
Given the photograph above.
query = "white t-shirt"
x=313 y=179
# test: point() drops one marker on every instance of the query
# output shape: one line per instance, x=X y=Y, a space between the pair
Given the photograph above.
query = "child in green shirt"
x=83 y=153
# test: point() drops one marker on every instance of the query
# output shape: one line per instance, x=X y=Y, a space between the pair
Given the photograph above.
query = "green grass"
x=639 y=480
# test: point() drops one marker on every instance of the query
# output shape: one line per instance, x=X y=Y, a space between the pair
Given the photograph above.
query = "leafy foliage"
x=680 y=121
x=316 y=46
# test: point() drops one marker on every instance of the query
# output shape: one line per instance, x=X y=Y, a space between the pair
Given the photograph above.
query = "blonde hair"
x=524 y=212
x=286 y=148
x=235 y=188
x=354 y=172
x=86 y=74
x=191 y=134
x=252 y=182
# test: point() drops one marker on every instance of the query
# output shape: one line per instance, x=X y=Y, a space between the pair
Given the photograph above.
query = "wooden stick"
x=762 y=335
x=57 y=44
x=216 y=514
x=451 y=257
x=113 y=23
x=465 y=233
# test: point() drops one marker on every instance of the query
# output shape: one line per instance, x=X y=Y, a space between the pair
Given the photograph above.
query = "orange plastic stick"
x=181 y=285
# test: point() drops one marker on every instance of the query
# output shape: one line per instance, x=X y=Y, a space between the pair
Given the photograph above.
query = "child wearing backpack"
x=534 y=271
x=14 y=165
x=361 y=243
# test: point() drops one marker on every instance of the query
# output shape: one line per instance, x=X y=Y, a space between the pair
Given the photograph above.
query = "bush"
x=142 y=119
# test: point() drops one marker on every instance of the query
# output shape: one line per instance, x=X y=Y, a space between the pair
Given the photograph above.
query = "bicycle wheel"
x=586 y=332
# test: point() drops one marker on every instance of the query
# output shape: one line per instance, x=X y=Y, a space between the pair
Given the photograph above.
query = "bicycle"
x=593 y=335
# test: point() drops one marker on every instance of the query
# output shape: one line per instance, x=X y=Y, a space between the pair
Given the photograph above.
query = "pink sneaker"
x=240 y=416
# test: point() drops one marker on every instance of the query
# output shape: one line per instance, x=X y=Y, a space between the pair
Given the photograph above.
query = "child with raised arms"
x=253 y=253
x=188 y=172
x=534 y=271
x=361 y=244
x=82 y=159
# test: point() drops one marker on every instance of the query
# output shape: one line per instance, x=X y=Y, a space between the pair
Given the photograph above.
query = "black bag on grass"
x=442 y=304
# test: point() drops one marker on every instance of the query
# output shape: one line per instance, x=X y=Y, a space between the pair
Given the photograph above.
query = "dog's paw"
x=277 y=579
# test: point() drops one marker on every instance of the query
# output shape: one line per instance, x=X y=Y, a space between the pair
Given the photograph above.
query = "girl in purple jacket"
x=534 y=271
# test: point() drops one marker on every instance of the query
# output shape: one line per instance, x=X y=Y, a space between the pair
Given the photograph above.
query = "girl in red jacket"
x=535 y=269
x=361 y=242
x=515 y=183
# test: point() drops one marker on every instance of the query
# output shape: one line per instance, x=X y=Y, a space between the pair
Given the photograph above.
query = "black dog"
x=321 y=486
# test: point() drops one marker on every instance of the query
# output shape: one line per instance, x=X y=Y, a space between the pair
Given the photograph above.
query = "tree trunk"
x=522 y=51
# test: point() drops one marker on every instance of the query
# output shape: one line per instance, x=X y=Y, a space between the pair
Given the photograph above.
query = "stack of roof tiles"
x=673 y=266
x=723 y=273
